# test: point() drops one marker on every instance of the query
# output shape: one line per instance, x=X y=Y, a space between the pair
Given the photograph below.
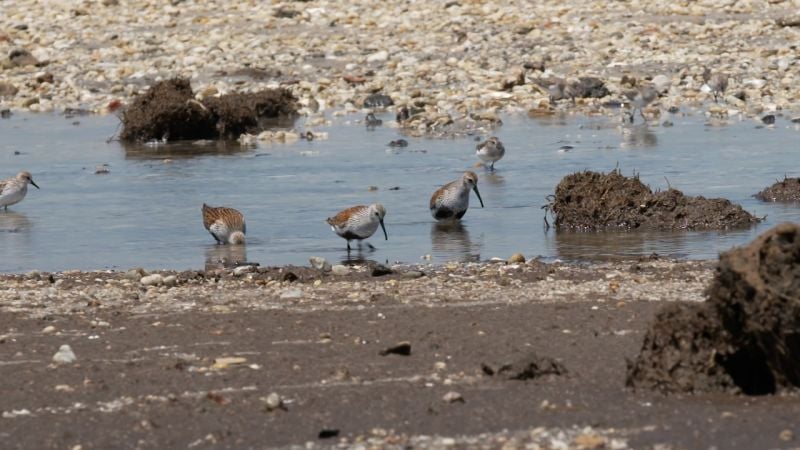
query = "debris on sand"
x=168 y=111
x=528 y=367
x=787 y=190
x=590 y=200
x=745 y=338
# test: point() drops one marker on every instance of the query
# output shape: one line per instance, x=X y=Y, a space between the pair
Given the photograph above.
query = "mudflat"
x=425 y=356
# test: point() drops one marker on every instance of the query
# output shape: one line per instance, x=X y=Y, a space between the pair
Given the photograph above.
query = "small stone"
x=402 y=348
x=135 y=274
x=291 y=293
x=101 y=169
x=453 y=397
x=378 y=101
x=379 y=56
x=241 y=270
x=413 y=274
x=327 y=433
x=8 y=90
x=273 y=401
x=320 y=263
x=786 y=435
x=372 y=188
x=64 y=355
x=380 y=270
x=49 y=329
x=590 y=441
x=64 y=388
x=225 y=362
x=20 y=57
x=516 y=258
x=340 y=269
x=33 y=275
x=398 y=143
x=170 y=280
x=661 y=83
x=769 y=119
x=152 y=280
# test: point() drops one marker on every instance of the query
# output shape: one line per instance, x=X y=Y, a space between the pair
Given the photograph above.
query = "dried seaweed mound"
x=595 y=201
x=787 y=190
x=746 y=338
x=168 y=111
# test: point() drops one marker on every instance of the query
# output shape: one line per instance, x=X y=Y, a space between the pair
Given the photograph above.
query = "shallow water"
x=146 y=211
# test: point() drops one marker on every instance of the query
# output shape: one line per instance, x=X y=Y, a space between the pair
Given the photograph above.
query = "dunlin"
x=13 y=190
x=225 y=224
x=490 y=151
x=717 y=82
x=452 y=200
x=640 y=98
x=358 y=222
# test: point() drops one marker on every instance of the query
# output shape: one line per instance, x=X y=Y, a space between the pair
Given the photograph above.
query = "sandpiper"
x=640 y=98
x=358 y=222
x=452 y=200
x=13 y=190
x=225 y=224
x=490 y=151
x=717 y=82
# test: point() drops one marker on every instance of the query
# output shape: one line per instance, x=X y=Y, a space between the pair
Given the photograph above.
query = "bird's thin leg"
x=348 y=247
x=491 y=168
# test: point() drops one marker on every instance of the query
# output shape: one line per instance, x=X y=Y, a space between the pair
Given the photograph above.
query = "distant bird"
x=452 y=200
x=358 y=222
x=490 y=151
x=717 y=82
x=640 y=98
x=225 y=224
x=402 y=114
x=13 y=190
x=371 y=121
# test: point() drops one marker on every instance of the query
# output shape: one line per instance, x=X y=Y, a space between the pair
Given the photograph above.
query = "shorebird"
x=452 y=200
x=13 y=190
x=225 y=224
x=717 y=82
x=490 y=150
x=358 y=222
x=640 y=98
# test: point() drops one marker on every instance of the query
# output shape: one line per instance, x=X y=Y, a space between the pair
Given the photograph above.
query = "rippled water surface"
x=146 y=211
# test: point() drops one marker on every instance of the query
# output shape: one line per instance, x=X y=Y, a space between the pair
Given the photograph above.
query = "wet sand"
x=150 y=369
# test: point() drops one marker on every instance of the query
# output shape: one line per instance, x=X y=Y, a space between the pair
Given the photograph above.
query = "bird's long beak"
x=37 y=187
x=384 y=231
x=475 y=188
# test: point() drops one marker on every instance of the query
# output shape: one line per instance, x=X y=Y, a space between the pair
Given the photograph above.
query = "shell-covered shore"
x=449 y=58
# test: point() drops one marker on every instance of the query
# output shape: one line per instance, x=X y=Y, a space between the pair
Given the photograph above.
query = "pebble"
x=320 y=263
x=64 y=355
x=273 y=401
x=170 y=280
x=413 y=274
x=152 y=280
x=516 y=258
x=452 y=397
x=291 y=293
x=49 y=329
x=135 y=274
x=241 y=270
x=340 y=269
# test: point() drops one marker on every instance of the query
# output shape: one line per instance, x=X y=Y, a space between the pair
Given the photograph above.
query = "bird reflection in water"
x=494 y=179
x=11 y=222
x=226 y=256
x=451 y=238
x=638 y=136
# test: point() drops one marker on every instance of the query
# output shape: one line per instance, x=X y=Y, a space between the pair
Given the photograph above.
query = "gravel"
x=451 y=61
